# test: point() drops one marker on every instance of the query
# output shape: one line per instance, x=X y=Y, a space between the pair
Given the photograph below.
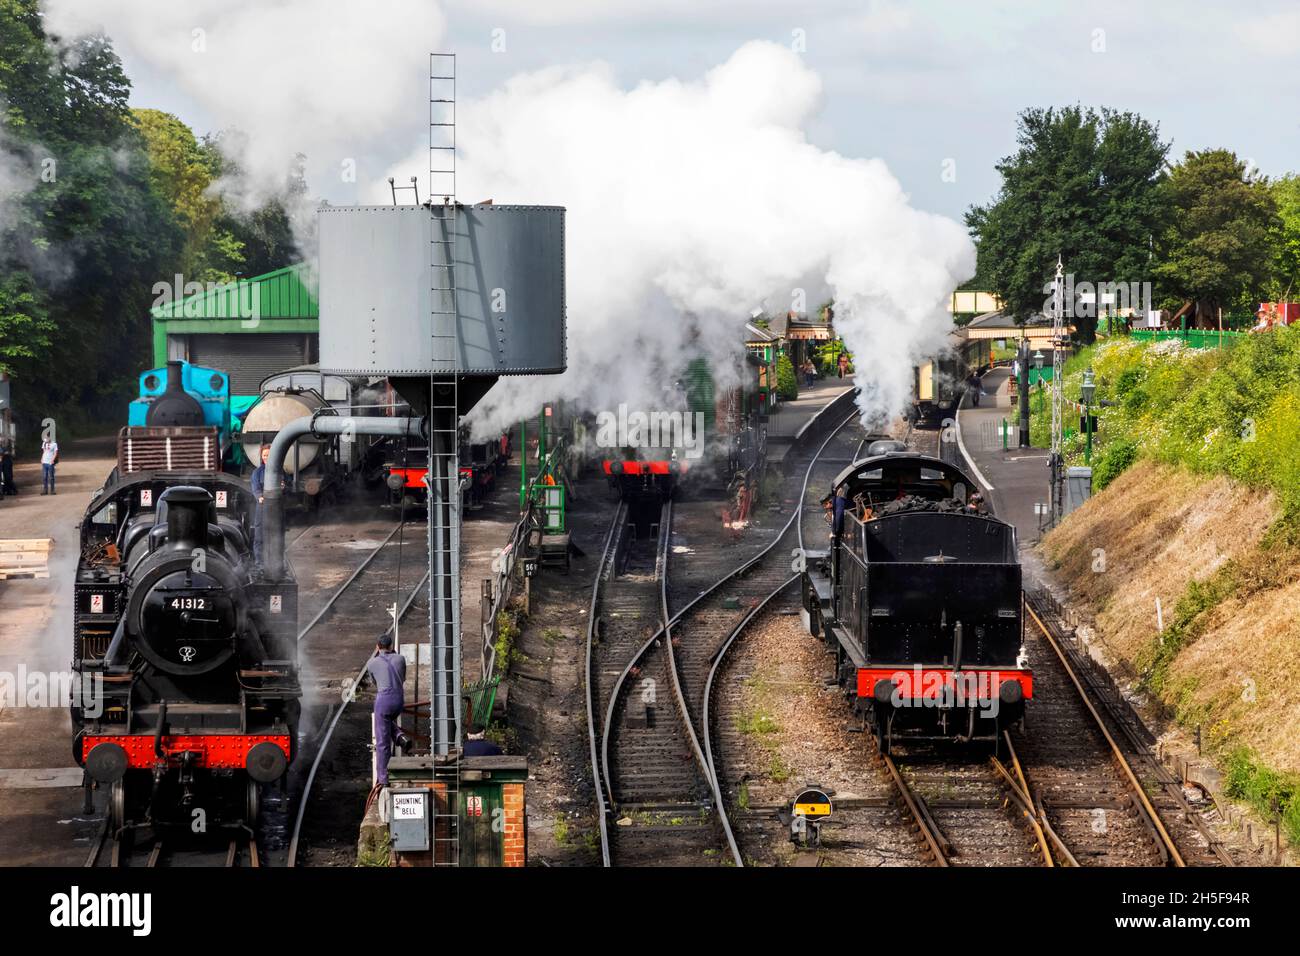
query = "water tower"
x=442 y=299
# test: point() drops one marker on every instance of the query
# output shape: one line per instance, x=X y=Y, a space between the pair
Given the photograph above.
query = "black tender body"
x=920 y=581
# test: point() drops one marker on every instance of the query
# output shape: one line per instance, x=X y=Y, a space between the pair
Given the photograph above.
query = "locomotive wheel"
x=117 y=805
x=252 y=801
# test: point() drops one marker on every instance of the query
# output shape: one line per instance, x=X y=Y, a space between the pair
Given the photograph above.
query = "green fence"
x=1195 y=338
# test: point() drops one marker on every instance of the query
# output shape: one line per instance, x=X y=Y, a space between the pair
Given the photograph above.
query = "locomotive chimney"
x=174 y=406
x=187 y=516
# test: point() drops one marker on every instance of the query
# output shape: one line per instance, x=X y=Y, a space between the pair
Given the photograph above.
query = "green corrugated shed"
x=284 y=301
x=282 y=294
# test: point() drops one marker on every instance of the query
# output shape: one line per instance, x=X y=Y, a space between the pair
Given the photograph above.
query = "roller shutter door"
x=249 y=358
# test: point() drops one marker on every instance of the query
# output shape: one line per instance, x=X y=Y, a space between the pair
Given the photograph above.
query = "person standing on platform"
x=49 y=458
x=258 y=481
x=7 y=486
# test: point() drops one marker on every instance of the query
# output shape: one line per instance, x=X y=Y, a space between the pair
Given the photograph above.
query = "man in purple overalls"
x=388 y=671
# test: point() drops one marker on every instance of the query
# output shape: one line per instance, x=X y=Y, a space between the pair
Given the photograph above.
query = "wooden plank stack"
x=25 y=557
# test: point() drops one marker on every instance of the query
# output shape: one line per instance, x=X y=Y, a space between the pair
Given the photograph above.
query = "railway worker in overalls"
x=388 y=671
x=834 y=507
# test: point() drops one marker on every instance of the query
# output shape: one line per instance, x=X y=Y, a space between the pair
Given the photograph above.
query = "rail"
x=607 y=559
x=600 y=761
x=323 y=746
x=1165 y=843
x=939 y=846
x=714 y=668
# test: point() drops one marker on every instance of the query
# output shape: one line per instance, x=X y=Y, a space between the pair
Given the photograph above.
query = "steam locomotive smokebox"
x=387 y=307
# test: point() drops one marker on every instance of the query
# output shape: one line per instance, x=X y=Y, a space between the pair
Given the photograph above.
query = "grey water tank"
x=385 y=305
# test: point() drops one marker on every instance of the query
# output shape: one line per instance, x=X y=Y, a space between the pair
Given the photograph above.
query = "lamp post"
x=1088 y=389
x=1038 y=364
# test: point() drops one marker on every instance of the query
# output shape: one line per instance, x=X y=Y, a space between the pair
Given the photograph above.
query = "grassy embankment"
x=1197 y=503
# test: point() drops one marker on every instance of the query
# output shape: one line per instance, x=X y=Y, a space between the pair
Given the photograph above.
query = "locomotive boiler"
x=188 y=693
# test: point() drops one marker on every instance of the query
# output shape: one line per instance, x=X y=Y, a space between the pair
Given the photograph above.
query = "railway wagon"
x=185 y=659
x=939 y=382
x=317 y=468
x=919 y=595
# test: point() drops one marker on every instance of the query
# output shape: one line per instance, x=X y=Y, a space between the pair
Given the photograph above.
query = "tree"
x=787 y=383
x=84 y=235
x=182 y=171
x=1285 y=283
x=265 y=235
x=1217 y=245
x=1082 y=185
x=25 y=326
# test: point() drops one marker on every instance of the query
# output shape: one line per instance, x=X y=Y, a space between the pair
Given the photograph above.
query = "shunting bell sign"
x=408 y=806
x=408 y=825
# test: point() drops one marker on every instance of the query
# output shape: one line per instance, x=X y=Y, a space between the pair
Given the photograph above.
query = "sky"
x=932 y=88
x=715 y=158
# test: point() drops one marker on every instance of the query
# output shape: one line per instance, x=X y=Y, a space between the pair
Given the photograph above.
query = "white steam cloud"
x=334 y=80
x=692 y=203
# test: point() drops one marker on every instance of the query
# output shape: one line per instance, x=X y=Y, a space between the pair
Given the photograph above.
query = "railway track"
x=230 y=848
x=1093 y=797
x=1104 y=792
x=1056 y=795
x=651 y=676
x=335 y=608
x=753 y=782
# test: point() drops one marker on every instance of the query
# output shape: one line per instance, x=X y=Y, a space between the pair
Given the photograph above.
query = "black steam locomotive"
x=188 y=694
x=919 y=594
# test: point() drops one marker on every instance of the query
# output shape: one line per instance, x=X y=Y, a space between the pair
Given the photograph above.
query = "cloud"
x=335 y=80
x=692 y=202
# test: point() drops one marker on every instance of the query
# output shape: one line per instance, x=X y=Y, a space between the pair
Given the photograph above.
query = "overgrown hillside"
x=1197 y=461
x=1233 y=411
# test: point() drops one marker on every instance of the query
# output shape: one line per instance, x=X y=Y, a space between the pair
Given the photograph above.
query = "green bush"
x=1266 y=790
x=1112 y=461
x=1233 y=411
x=787 y=383
x=509 y=625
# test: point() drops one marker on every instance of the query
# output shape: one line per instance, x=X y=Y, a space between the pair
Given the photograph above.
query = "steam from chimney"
x=692 y=202
x=333 y=80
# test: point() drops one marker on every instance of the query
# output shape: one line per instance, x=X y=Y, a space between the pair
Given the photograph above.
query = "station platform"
x=792 y=417
x=1013 y=479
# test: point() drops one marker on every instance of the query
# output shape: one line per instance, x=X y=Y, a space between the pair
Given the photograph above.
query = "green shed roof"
x=288 y=293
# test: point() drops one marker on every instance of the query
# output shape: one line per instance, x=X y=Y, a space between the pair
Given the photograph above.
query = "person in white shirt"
x=49 y=458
